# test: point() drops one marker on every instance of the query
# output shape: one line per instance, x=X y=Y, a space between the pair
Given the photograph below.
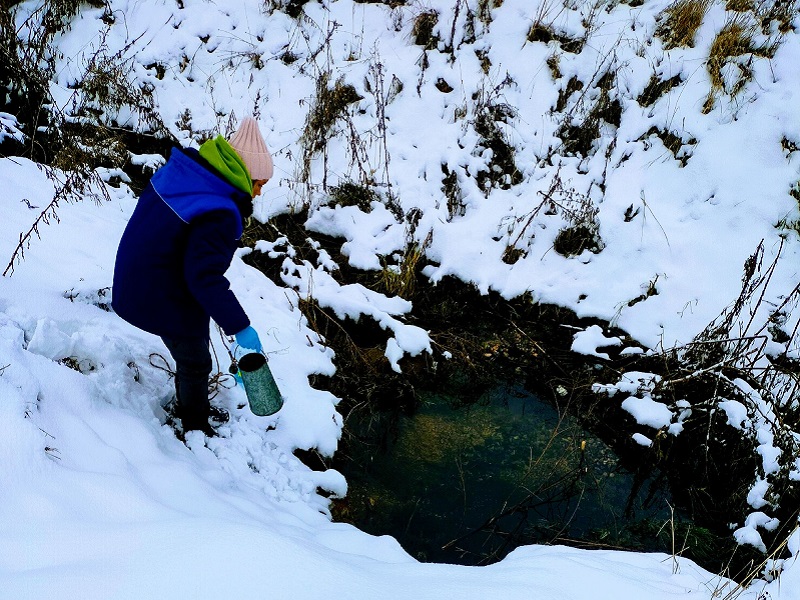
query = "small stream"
x=468 y=483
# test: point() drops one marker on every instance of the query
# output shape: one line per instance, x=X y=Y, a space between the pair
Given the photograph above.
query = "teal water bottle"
x=262 y=392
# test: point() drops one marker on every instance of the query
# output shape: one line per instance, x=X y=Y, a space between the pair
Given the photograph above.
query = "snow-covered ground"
x=100 y=500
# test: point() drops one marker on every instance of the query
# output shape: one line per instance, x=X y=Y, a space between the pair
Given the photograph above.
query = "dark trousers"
x=192 y=368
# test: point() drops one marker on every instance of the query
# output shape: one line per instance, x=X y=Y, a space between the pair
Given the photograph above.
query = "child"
x=169 y=277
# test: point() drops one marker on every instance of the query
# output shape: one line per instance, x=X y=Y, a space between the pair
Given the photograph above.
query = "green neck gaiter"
x=221 y=155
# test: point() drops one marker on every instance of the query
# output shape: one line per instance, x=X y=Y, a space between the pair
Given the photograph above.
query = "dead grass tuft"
x=656 y=88
x=423 y=30
x=349 y=193
x=680 y=22
x=777 y=14
x=734 y=40
x=739 y=5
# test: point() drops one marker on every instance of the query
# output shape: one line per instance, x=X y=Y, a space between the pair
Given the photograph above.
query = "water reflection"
x=469 y=483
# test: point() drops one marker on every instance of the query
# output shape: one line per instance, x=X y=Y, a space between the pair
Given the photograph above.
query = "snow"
x=100 y=500
x=592 y=338
x=736 y=413
x=9 y=127
x=648 y=412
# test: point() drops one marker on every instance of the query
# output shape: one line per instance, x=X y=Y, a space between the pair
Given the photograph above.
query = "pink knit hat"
x=250 y=145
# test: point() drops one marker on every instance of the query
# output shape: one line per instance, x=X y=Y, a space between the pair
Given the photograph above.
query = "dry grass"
x=349 y=193
x=733 y=40
x=777 y=13
x=484 y=10
x=739 y=5
x=400 y=280
x=680 y=22
x=423 y=30
x=766 y=568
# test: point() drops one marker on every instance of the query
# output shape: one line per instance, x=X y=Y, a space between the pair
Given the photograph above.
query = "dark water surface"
x=469 y=483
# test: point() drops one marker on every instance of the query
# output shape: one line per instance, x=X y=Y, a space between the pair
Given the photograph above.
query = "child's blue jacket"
x=169 y=276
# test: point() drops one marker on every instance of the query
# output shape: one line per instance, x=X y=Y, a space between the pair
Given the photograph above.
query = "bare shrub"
x=731 y=359
x=453 y=193
x=69 y=142
x=349 y=193
x=329 y=107
x=582 y=123
x=582 y=231
x=489 y=111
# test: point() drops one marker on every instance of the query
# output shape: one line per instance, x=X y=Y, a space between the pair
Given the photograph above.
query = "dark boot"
x=181 y=422
x=192 y=368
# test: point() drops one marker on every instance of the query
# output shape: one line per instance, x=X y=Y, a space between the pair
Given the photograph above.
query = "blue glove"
x=248 y=338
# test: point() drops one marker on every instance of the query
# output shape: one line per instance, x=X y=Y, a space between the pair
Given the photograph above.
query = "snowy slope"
x=100 y=500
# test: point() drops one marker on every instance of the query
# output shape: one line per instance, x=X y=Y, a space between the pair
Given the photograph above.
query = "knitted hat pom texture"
x=250 y=145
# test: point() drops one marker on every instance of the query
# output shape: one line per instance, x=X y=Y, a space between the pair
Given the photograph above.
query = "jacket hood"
x=191 y=190
x=221 y=155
